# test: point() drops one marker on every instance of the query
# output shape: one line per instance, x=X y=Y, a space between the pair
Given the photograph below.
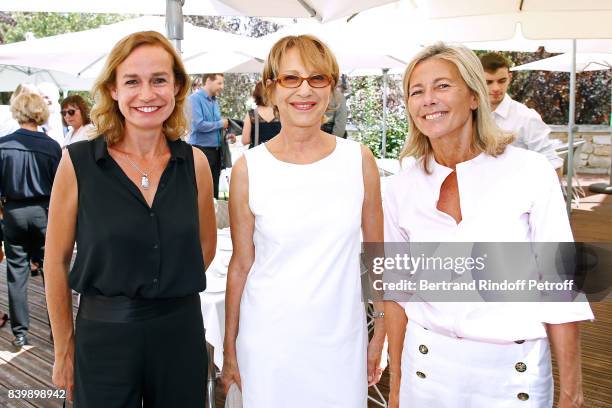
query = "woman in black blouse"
x=263 y=117
x=138 y=202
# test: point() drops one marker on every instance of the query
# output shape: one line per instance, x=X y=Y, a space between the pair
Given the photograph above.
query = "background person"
x=53 y=126
x=8 y=124
x=75 y=113
x=28 y=162
x=526 y=124
x=473 y=186
x=265 y=116
x=336 y=115
x=138 y=200
x=295 y=330
x=207 y=124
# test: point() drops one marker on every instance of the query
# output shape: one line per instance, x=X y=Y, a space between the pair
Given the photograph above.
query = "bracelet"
x=376 y=315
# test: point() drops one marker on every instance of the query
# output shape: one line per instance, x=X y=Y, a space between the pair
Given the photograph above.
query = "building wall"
x=595 y=155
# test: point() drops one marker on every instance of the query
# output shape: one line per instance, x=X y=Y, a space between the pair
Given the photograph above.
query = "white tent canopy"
x=322 y=10
x=563 y=63
x=154 y=7
x=355 y=49
x=11 y=76
x=83 y=53
x=473 y=20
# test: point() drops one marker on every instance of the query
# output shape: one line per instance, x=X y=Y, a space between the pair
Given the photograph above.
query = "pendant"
x=144 y=182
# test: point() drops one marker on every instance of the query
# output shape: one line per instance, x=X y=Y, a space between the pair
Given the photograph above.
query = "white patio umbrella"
x=321 y=10
x=584 y=62
x=150 y=7
x=12 y=75
x=83 y=53
x=563 y=63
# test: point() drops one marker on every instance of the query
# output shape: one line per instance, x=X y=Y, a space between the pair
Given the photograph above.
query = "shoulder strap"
x=256 y=116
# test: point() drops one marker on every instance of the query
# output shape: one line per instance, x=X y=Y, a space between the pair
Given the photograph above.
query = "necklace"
x=144 y=180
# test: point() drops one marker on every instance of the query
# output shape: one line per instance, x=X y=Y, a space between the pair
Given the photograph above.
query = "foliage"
x=249 y=26
x=548 y=92
x=236 y=99
x=365 y=107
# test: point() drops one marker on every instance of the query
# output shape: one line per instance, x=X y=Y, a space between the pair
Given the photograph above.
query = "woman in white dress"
x=295 y=322
x=75 y=113
x=467 y=184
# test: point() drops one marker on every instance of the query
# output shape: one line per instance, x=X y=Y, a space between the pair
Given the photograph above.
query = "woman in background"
x=263 y=117
x=75 y=113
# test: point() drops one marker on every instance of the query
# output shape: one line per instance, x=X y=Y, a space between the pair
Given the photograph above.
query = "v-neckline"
x=129 y=183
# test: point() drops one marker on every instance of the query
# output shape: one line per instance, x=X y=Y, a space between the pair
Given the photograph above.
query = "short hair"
x=212 y=77
x=105 y=114
x=492 y=61
x=258 y=94
x=79 y=102
x=487 y=137
x=29 y=108
x=314 y=53
x=23 y=88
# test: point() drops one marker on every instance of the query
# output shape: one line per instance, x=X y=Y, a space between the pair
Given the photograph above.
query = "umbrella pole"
x=383 y=150
x=174 y=22
x=603 y=188
x=570 y=131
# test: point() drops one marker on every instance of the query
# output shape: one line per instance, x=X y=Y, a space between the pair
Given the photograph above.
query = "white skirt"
x=443 y=372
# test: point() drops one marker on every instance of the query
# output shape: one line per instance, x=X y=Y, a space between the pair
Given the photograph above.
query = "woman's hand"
x=376 y=363
x=63 y=371
x=230 y=373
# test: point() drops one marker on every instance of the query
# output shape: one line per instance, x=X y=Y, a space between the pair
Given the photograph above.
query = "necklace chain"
x=144 y=180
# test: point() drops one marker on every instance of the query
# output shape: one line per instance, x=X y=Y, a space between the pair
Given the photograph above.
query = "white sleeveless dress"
x=302 y=339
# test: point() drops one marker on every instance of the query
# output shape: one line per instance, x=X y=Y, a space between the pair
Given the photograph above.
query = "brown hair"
x=314 y=53
x=79 y=102
x=29 y=108
x=493 y=61
x=486 y=136
x=106 y=115
x=212 y=77
x=258 y=94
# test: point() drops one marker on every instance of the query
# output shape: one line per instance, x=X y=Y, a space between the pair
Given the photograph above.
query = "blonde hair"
x=23 y=88
x=314 y=53
x=29 y=108
x=486 y=136
x=105 y=114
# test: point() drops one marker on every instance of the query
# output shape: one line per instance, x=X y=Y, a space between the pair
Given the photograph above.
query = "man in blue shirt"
x=207 y=124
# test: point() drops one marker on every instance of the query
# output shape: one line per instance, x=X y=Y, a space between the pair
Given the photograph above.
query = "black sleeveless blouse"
x=125 y=248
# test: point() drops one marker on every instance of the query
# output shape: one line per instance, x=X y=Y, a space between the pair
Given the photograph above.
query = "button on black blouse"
x=125 y=248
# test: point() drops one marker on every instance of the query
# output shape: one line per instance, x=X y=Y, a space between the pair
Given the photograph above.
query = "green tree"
x=365 y=107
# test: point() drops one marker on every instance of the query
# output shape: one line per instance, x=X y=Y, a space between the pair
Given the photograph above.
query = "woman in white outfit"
x=75 y=113
x=295 y=321
x=468 y=184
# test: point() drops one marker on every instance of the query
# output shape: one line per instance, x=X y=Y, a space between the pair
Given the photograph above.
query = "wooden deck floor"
x=30 y=369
